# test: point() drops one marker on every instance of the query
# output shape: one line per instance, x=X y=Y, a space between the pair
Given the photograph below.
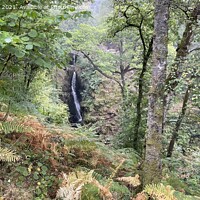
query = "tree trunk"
x=146 y=56
x=183 y=49
x=123 y=82
x=30 y=72
x=152 y=164
x=178 y=123
x=181 y=53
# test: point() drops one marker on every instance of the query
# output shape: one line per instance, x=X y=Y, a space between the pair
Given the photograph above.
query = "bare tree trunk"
x=152 y=164
x=178 y=122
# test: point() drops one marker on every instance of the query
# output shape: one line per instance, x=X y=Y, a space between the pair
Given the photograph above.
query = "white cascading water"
x=76 y=102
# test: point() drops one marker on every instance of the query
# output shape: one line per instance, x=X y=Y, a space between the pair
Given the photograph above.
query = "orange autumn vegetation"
x=36 y=134
x=2 y=115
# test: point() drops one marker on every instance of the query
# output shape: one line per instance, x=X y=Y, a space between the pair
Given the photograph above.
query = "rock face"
x=71 y=88
x=103 y=111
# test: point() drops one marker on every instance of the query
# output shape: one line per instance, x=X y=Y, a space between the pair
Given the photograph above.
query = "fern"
x=8 y=155
x=133 y=181
x=11 y=127
x=73 y=184
x=160 y=191
x=81 y=143
x=3 y=106
x=90 y=192
x=110 y=180
x=120 y=191
x=103 y=190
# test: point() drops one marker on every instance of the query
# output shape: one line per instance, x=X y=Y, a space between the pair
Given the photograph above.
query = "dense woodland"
x=100 y=100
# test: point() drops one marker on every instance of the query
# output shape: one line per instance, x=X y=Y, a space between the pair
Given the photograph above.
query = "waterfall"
x=74 y=59
x=75 y=98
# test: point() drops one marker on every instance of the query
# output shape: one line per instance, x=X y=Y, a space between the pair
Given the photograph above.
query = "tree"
x=152 y=164
x=188 y=85
x=182 y=52
x=113 y=63
x=179 y=121
x=182 y=71
x=137 y=15
x=29 y=43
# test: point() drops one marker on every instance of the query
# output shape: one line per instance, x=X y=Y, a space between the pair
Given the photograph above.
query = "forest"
x=100 y=100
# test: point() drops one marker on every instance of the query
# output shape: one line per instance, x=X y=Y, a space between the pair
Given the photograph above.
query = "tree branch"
x=195 y=49
x=149 y=51
x=99 y=70
x=5 y=63
x=128 y=69
x=185 y=10
x=142 y=38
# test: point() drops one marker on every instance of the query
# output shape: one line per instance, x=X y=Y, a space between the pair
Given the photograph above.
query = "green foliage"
x=131 y=14
x=82 y=144
x=90 y=192
x=46 y=99
x=35 y=170
x=181 y=196
x=30 y=42
x=104 y=50
x=22 y=170
x=176 y=183
x=43 y=179
x=185 y=168
x=12 y=91
x=91 y=82
x=125 y=138
x=120 y=191
x=12 y=127
x=87 y=37
x=160 y=191
x=23 y=36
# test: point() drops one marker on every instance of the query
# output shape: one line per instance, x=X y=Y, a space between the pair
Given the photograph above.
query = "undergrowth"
x=67 y=163
x=48 y=153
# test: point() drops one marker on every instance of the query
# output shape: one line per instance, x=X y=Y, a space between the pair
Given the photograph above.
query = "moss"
x=154 y=141
x=151 y=172
x=152 y=166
